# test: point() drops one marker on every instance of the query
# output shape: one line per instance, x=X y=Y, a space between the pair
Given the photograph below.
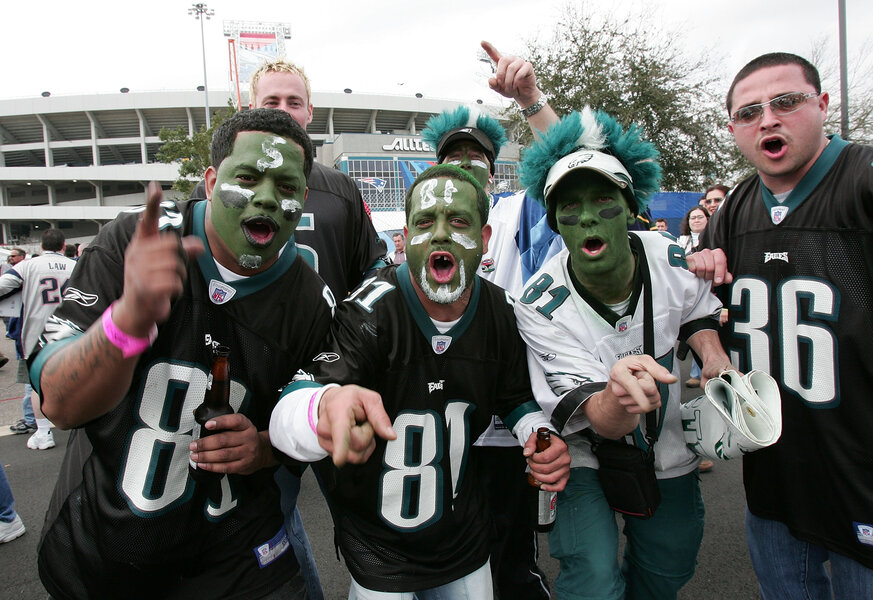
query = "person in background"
x=660 y=224
x=11 y=526
x=713 y=197
x=42 y=281
x=399 y=255
x=691 y=227
x=794 y=244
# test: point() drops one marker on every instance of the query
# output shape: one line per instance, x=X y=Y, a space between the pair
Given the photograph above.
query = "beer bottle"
x=543 y=504
x=216 y=402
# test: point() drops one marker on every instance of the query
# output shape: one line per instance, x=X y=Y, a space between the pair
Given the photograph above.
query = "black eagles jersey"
x=801 y=309
x=414 y=515
x=125 y=515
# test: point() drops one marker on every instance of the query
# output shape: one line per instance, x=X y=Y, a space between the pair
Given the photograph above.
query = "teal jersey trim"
x=519 y=411
x=299 y=385
x=249 y=285
x=47 y=352
x=420 y=315
x=810 y=181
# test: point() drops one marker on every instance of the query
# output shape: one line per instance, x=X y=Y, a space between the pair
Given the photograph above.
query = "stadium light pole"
x=201 y=12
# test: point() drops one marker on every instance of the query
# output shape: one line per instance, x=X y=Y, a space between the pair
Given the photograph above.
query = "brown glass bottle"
x=216 y=402
x=543 y=504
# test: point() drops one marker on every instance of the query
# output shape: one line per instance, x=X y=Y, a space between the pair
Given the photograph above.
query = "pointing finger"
x=491 y=51
x=148 y=223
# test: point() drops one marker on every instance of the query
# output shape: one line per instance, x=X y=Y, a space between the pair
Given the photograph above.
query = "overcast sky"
x=378 y=46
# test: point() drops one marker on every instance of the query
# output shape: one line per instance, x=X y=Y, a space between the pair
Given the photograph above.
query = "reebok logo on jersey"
x=79 y=297
x=547 y=356
x=432 y=387
x=864 y=532
x=768 y=256
x=327 y=357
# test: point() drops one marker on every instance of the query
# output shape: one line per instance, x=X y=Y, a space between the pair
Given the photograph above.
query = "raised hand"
x=514 y=77
x=154 y=270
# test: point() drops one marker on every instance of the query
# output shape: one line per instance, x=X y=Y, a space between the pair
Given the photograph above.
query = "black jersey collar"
x=242 y=287
x=422 y=319
x=809 y=181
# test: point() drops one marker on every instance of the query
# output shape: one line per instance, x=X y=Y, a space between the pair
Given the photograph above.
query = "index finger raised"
x=491 y=51
x=148 y=222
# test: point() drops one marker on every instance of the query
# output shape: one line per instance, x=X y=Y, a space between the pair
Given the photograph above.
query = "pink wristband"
x=129 y=345
x=312 y=420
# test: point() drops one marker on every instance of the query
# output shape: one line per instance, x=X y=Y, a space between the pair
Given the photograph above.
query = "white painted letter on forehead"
x=449 y=191
x=426 y=195
x=274 y=157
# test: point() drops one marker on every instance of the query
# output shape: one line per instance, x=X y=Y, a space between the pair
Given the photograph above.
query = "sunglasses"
x=713 y=200
x=780 y=105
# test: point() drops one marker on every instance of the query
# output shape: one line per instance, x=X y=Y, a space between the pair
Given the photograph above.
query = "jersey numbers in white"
x=411 y=487
x=805 y=348
x=366 y=301
x=154 y=475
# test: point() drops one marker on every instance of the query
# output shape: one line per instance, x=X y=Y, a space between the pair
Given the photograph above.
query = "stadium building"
x=74 y=162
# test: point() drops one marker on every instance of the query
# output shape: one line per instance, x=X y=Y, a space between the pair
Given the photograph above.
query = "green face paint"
x=260 y=189
x=470 y=157
x=445 y=238
x=593 y=216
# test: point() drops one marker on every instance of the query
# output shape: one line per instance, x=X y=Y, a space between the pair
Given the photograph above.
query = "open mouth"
x=593 y=246
x=260 y=231
x=442 y=266
x=774 y=147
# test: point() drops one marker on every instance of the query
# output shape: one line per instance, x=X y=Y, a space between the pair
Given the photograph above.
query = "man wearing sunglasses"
x=795 y=242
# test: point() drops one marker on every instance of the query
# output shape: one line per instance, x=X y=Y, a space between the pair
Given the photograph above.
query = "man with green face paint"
x=601 y=320
x=173 y=281
x=437 y=352
x=473 y=142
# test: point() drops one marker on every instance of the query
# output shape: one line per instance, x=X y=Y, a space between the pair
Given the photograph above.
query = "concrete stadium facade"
x=75 y=162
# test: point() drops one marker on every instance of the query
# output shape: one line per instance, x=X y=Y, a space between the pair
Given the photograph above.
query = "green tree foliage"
x=191 y=152
x=624 y=66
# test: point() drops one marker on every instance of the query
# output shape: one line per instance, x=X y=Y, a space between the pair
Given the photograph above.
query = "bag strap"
x=653 y=420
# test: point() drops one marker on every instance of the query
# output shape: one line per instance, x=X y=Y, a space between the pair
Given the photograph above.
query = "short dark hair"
x=398 y=234
x=435 y=172
x=53 y=240
x=266 y=120
x=70 y=251
x=722 y=188
x=775 y=59
x=661 y=220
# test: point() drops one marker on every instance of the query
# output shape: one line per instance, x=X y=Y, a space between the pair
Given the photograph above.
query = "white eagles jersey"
x=574 y=340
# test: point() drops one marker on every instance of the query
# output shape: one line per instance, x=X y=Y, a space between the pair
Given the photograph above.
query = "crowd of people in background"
x=415 y=382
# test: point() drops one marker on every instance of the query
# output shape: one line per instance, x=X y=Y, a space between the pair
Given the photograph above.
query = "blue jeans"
x=7 y=502
x=289 y=486
x=660 y=554
x=790 y=569
x=695 y=369
x=474 y=586
x=27 y=407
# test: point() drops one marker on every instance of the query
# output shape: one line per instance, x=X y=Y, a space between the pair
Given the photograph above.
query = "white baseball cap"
x=594 y=160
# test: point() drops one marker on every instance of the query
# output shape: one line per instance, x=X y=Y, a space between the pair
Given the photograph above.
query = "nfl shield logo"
x=220 y=292
x=622 y=324
x=440 y=343
x=778 y=213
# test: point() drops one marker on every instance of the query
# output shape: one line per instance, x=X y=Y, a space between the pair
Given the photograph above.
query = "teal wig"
x=593 y=130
